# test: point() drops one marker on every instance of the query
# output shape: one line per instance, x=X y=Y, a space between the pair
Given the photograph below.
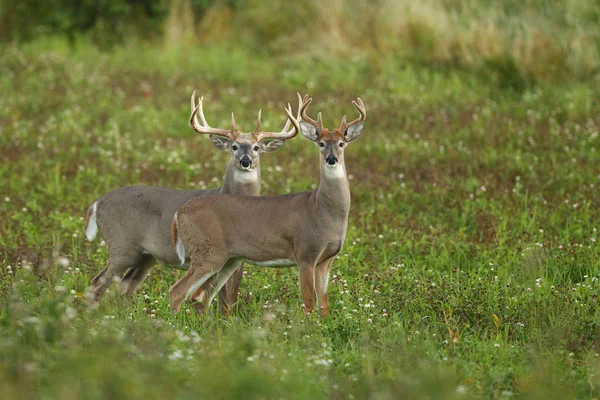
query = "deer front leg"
x=307 y=286
x=321 y=283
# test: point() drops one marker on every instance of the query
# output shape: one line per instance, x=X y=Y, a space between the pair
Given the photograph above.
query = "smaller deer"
x=307 y=229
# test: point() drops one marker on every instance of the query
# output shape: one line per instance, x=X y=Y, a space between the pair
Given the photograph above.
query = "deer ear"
x=221 y=143
x=309 y=131
x=354 y=132
x=271 y=145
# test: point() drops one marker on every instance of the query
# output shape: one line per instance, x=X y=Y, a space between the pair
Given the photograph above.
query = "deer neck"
x=333 y=194
x=241 y=183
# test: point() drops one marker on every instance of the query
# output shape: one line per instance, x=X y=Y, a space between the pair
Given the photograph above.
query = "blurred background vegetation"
x=515 y=43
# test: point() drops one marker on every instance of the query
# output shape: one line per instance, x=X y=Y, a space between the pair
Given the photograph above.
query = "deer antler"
x=359 y=105
x=285 y=133
x=318 y=124
x=204 y=127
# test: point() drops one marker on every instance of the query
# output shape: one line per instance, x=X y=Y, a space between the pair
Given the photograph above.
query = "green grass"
x=470 y=268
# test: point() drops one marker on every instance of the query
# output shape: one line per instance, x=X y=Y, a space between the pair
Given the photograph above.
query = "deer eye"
x=256 y=148
x=322 y=144
x=341 y=144
x=234 y=147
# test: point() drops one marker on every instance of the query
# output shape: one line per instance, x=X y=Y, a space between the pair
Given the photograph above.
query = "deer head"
x=245 y=148
x=332 y=142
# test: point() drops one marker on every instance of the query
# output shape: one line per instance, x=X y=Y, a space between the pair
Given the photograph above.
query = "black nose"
x=245 y=162
x=331 y=159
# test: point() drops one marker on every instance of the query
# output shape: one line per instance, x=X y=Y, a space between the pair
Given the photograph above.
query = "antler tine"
x=294 y=120
x=193 y=100
x=258 y=122
x=288 y=121
x=360 y=107
x=286 y=133
x=318 y=123
x=193 y=105
x=203 y=127
x=202 y=118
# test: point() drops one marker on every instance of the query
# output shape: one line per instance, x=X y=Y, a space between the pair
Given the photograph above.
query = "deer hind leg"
x=115 y=266
x=100 y=276
x=201 y=270
x=321 y=282
x=137 y=274
x=199 y=297
x=207 y=292
x=307 y=286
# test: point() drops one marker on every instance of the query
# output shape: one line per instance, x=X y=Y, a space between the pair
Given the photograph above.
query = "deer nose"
x=331 y=159
x=245 y=162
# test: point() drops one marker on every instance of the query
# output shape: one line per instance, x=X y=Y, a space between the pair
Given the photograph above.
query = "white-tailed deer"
x=135 y=221
x=305 y=229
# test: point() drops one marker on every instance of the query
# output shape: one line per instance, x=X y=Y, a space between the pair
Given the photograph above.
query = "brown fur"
x=174 y=230
x=308 y=228
x=331 y=136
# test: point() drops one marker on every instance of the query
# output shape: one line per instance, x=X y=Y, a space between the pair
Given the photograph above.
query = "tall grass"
x=517 y=43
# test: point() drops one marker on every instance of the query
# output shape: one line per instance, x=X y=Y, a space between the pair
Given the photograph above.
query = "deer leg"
x=228 y=294
x=206 y=293
x=321 y=282
x=136 y=275
x=198 y=299
x=307 y=286
x=100 y=276
x=201 y=270
x=115 y=266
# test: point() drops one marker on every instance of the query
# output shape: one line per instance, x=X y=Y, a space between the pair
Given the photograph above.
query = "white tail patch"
x=179 y=246
x=92 y=227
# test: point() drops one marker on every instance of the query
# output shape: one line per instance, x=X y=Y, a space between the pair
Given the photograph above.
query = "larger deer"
x=135 y=221
x=307 y=229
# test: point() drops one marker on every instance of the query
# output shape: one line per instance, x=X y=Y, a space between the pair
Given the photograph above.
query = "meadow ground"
x=470 y=268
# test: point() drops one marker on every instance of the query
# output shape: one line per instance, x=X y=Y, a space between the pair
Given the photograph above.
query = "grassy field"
x=470 y=268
